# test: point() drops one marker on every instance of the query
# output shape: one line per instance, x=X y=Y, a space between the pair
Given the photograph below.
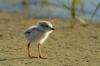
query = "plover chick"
x=38 y=34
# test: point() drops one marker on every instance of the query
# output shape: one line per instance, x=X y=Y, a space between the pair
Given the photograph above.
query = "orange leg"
x=39 y=52
x=29 y=53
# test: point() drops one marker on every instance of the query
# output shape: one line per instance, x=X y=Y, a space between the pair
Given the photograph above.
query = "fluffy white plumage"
x=39 y=33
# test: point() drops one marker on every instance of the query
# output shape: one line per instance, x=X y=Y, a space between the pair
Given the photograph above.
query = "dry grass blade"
x=81 y=20
x=45 y=2
x=95 y=11
x=25 y=2
x=73 y=7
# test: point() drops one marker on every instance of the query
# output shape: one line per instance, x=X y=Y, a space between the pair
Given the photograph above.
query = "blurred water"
x=54 y=10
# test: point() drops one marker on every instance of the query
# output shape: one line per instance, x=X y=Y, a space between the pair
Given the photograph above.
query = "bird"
x=38 y=34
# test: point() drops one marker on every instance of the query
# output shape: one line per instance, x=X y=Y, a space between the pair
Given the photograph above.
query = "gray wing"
x=29 y=30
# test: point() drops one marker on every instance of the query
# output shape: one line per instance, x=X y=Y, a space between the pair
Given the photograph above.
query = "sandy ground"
x=78 y=46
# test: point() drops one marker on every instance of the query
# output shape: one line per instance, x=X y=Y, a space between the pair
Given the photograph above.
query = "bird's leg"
x=39 y=52
x=29 y=53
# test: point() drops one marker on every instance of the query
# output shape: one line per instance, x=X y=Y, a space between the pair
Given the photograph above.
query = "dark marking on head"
x=43 y=24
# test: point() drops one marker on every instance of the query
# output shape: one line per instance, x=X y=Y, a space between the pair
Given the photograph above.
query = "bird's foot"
x=32 y=57
x=42 y=57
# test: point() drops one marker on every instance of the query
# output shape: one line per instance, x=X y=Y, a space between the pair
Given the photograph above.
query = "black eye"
x=43 y=25
x=46 y=26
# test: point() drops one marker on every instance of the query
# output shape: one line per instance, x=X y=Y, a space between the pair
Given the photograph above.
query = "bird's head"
x=45 y=26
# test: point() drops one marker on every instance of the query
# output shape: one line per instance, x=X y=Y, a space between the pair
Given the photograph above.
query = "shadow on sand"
x=3 y=59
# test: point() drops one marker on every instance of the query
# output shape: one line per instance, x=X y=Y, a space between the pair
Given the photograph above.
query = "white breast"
x=43 y=38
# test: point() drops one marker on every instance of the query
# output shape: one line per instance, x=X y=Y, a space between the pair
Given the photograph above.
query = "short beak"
x=52 y=29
